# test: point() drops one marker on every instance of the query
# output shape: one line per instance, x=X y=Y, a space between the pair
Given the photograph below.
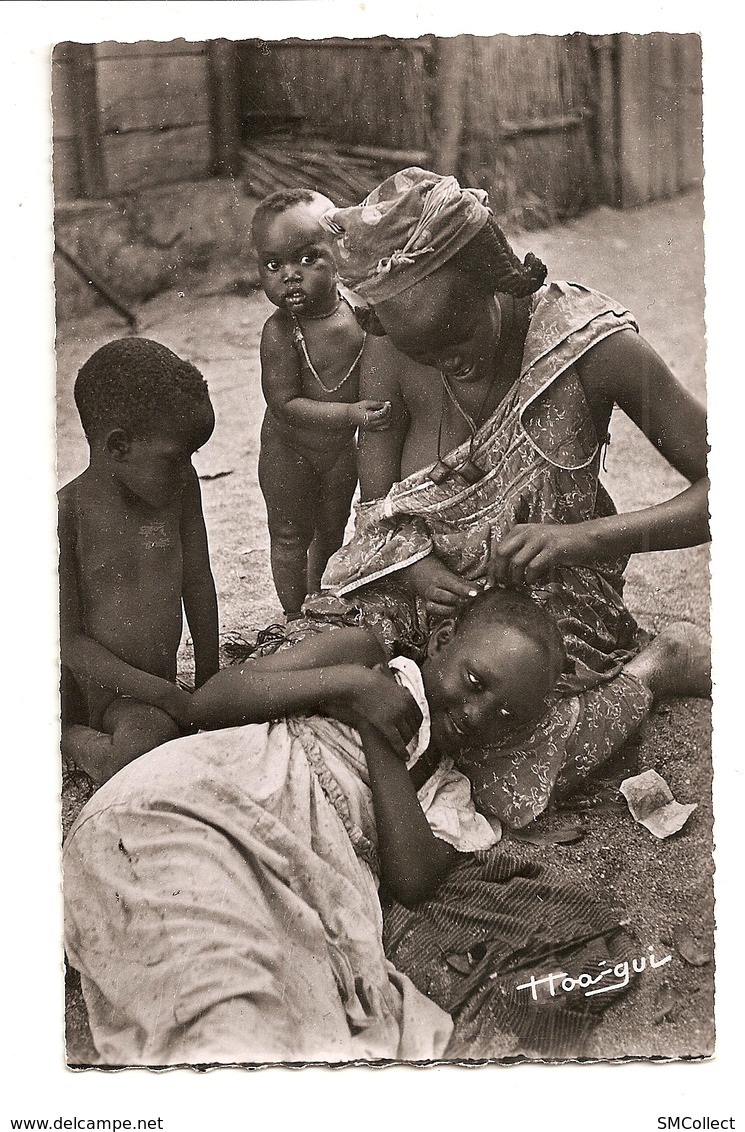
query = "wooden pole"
x=605 y=127
x=450 y=73
x=635 y=139
x=225 y=117
x=86 y=114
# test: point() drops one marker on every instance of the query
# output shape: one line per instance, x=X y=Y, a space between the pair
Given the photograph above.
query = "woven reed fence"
x=374 y=92
x=549 y=125
x=520 y=108
x=527 y=124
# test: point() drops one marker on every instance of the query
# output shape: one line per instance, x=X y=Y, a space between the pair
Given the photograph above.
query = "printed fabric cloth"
x=541 y=457
x=221 y=901
x=408 y=226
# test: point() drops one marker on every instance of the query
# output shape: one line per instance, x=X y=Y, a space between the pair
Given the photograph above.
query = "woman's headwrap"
x=407 y=227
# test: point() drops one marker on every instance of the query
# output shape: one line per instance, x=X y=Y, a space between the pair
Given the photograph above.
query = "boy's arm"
x=412 y=860
x=87 y=659
x=255 y=694
x=380 y=451
x=280 y=383
x=198 y=586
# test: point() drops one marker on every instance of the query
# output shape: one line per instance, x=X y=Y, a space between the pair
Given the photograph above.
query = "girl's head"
x=295 y=257
x=428 y=256
x=490 y=671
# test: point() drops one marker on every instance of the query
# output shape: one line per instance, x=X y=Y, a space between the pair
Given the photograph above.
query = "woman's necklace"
x=468 y=469
x=299 y=342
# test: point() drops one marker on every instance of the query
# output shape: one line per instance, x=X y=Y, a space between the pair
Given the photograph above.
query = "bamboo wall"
x=526 y=135
x=370 y=92
x=659 y=139
x=550 y=125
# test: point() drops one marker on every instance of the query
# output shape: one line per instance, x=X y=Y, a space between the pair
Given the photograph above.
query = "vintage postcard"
x=382 y=368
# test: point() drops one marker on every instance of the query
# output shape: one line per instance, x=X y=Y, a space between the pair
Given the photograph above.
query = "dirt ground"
x=651 y=259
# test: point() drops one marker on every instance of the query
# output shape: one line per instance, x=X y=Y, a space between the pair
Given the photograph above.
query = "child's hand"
x=177 y=703
x=375 y=699
x=382 y=703
x=370 y=416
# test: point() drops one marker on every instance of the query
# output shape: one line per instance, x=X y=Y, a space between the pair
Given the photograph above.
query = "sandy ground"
x=652 y=259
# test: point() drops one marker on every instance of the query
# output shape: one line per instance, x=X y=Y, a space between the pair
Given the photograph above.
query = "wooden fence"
x=128 y=115
x=550 y=125
x=652 y=145
x=367 y=91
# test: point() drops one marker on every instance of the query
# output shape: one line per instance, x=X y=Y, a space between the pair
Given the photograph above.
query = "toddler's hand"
x=371 y=416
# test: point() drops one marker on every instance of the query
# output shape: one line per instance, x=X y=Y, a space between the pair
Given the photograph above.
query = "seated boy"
x=133 y=547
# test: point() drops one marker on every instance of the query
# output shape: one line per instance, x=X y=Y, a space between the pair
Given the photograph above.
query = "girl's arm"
x=258 y=692
x=281 y=385
x=624 y=370
x=336 y=646
x=198 y=586
x=412 y=860
x=380 y=452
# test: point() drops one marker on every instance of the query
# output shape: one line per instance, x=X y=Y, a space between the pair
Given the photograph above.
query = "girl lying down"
x=221 y=892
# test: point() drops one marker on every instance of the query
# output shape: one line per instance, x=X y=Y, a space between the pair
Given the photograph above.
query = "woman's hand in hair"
x=441 y=590
x=531 y=550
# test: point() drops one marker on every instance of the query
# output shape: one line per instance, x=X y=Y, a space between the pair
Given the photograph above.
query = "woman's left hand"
x=531 y=550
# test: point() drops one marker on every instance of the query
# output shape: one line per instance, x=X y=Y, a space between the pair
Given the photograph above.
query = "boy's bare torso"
x=128 y=566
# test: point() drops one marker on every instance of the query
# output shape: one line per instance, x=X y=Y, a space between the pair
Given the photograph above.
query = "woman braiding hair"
x=502 y=388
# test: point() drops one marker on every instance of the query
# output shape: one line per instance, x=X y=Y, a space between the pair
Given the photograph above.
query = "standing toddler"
x=311 y=349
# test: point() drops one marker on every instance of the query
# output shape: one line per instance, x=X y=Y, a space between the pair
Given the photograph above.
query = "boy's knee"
x=138 y=727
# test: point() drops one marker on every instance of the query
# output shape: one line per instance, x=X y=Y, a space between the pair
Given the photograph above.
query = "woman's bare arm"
x=380 y=452
x=624 y=370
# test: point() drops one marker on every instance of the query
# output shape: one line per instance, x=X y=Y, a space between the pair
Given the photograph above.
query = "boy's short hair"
x=137 y=384
x=518 y=610
x=281 y=201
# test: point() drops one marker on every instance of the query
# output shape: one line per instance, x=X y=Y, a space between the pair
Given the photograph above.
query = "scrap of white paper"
x=651 y=803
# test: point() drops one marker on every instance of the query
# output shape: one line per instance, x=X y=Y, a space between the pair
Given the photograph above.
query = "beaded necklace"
x=516 y=314
x=298 y=339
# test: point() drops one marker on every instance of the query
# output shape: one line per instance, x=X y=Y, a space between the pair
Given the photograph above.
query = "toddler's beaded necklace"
x=299 y=342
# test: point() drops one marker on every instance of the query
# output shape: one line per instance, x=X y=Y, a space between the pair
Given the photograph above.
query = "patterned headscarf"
x=407 y=227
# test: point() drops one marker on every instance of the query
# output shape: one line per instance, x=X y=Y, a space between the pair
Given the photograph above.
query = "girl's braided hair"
x=522 y=609
x=489 y=258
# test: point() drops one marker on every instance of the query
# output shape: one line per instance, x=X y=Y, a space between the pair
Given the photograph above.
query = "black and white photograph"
x=382 y=550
